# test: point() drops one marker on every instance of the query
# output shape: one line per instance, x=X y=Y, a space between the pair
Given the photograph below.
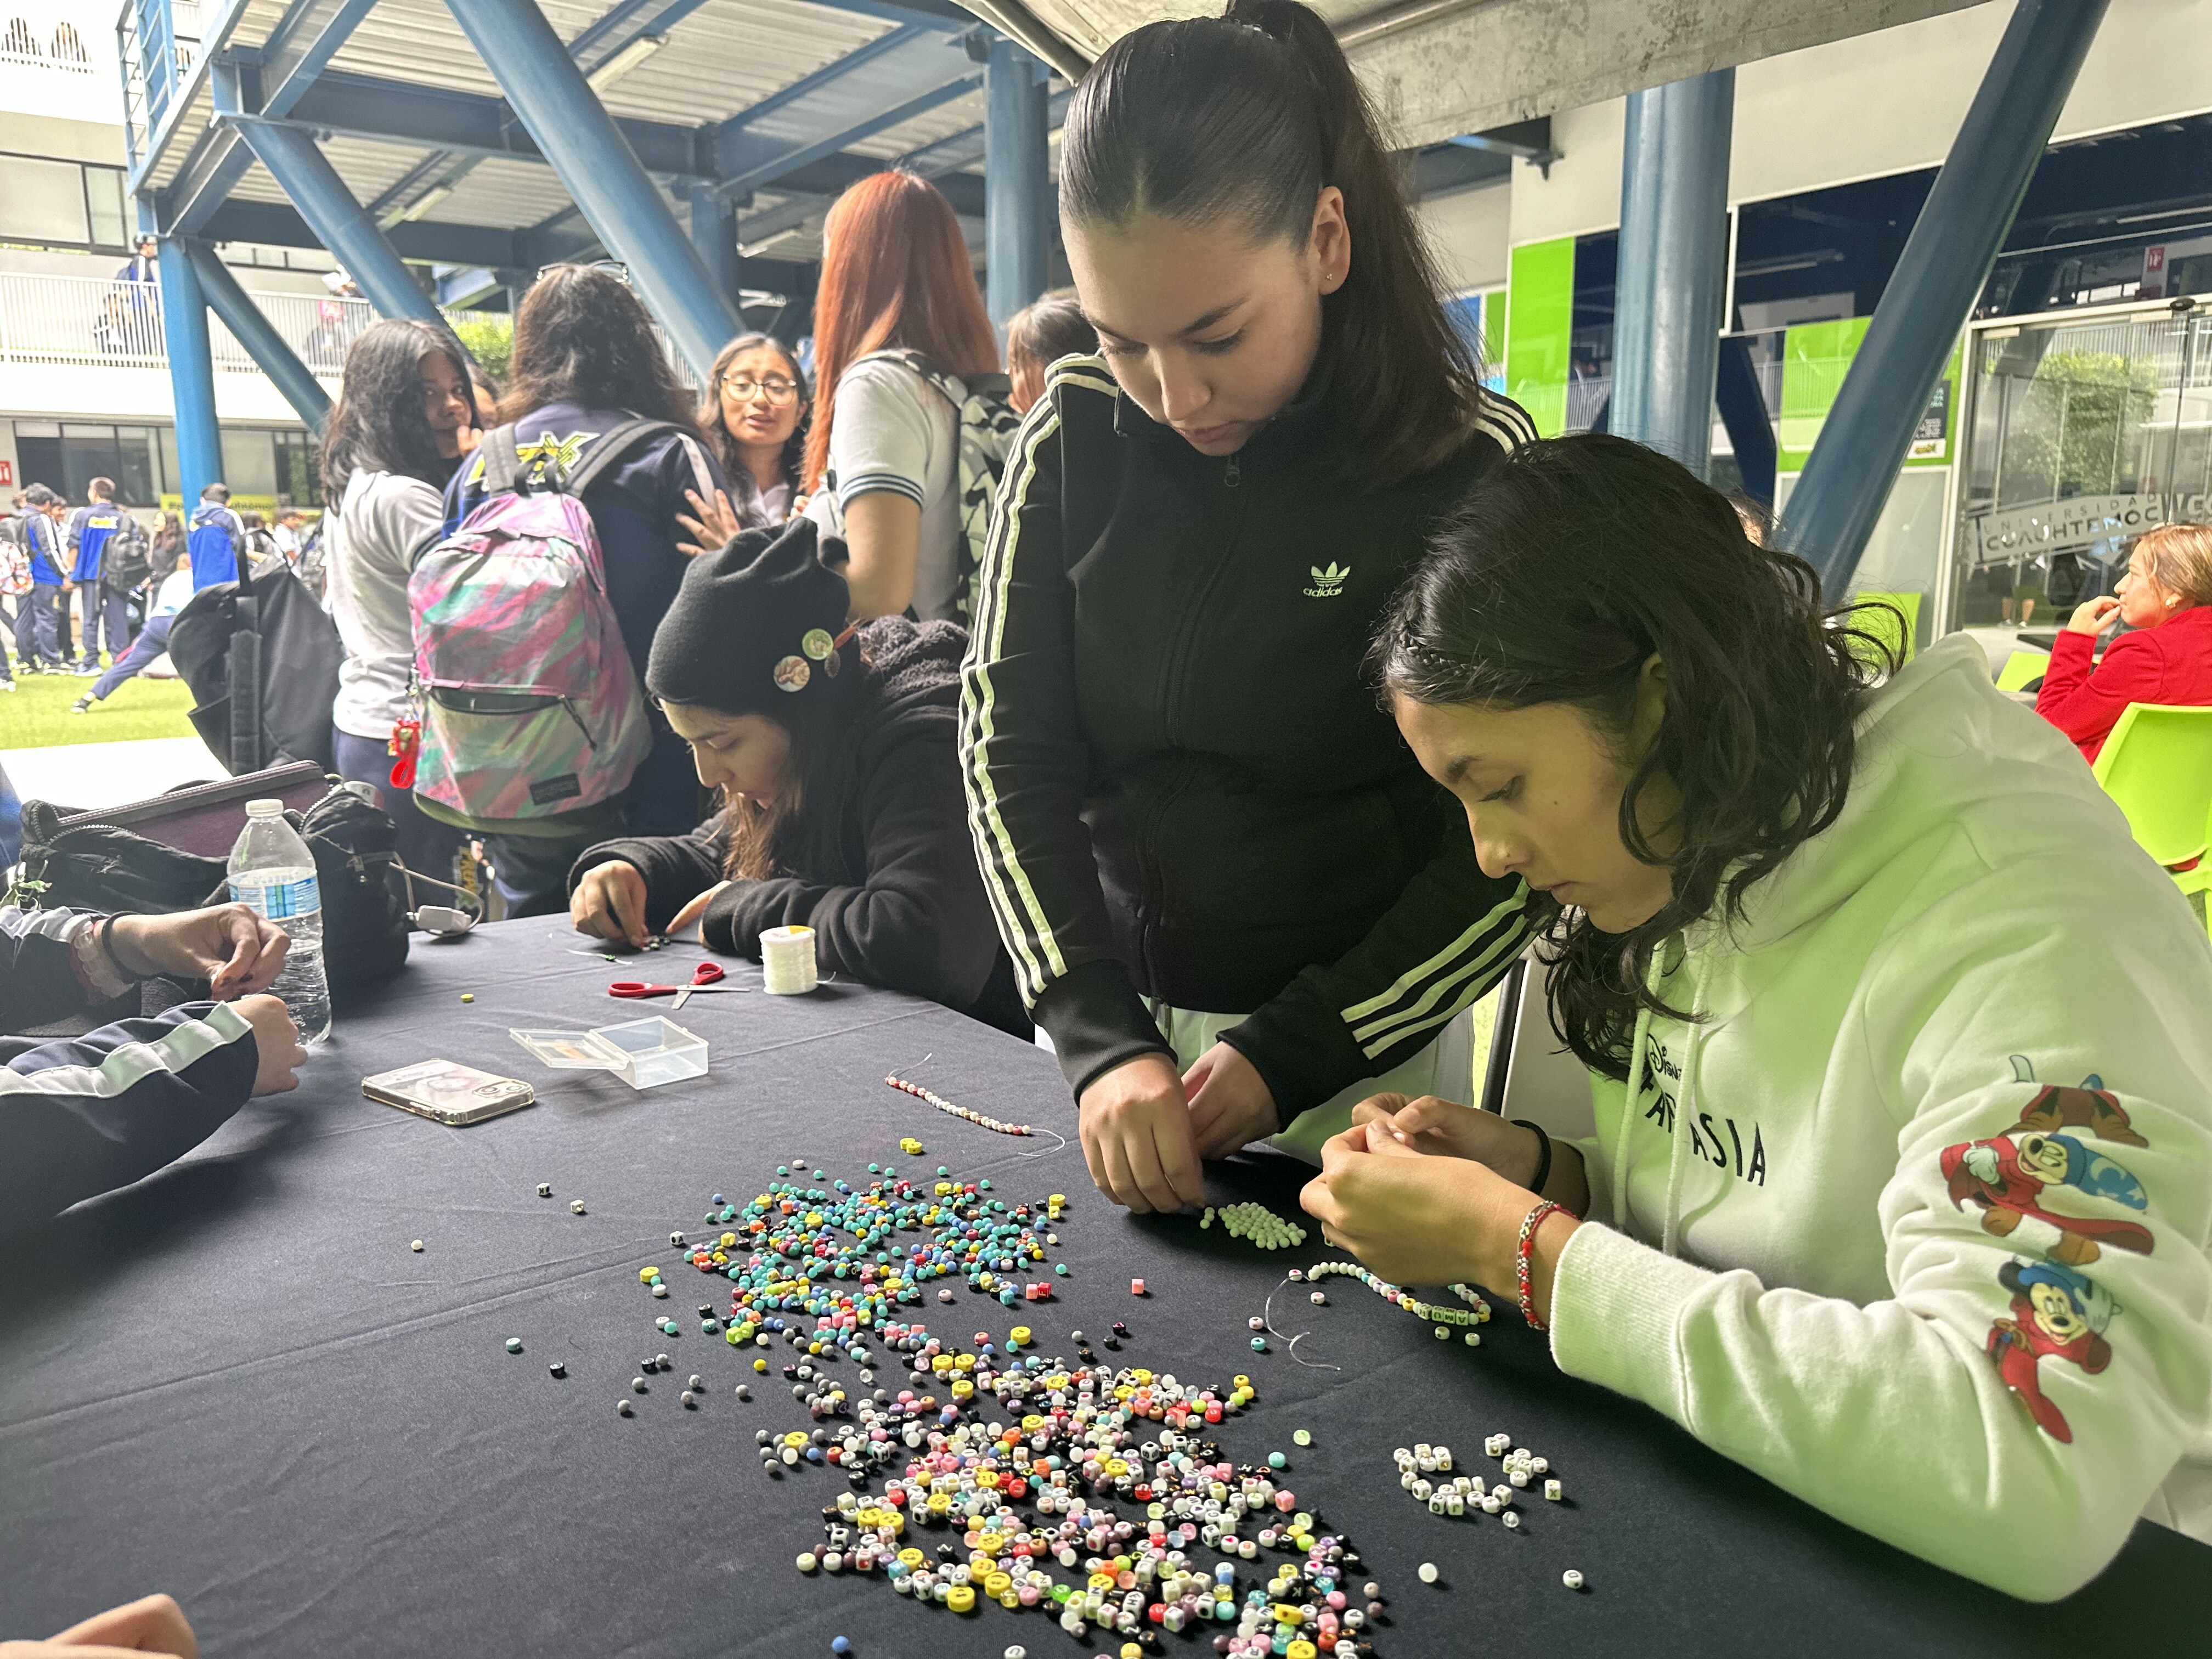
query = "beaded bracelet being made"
x=1477 y=1312
x=945 y=1105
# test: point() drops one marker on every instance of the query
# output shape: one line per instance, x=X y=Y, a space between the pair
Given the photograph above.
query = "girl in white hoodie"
x=1907 y=1207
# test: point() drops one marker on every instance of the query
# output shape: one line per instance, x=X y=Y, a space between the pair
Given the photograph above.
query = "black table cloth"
x=235 y=1382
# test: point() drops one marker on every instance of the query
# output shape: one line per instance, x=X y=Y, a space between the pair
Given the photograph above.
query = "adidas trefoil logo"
x=1329 y=580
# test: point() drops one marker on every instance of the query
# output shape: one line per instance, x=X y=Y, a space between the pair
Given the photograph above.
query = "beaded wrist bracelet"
x=1476 y=1312
x=1533 y=1220
x=945 y=1105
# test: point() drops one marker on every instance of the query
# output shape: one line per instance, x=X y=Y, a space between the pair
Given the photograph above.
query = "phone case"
x=446 y=1092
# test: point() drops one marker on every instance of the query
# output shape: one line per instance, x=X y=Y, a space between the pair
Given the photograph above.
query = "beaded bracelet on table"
x=945 y=1105
x=1477 y=1312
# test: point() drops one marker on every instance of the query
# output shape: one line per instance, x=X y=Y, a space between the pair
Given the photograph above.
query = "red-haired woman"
x=897 y=296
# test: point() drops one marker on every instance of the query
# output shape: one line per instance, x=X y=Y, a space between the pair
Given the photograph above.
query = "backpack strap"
x=609 y=447
x=948 y=384
x=502 y=463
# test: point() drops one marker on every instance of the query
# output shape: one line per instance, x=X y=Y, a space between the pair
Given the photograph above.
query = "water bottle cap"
x=264 y=808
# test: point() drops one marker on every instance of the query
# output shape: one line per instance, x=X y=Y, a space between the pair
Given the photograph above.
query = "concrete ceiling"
x=1438 y=69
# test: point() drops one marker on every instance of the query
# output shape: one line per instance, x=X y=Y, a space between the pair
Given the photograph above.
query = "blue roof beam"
x=268 y=80
x=747 y=162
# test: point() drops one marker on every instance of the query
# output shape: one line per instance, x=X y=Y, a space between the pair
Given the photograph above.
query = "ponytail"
x=1242 y=119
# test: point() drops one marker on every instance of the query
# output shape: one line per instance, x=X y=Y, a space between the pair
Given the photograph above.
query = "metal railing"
x=157 y=41
x=90 y=322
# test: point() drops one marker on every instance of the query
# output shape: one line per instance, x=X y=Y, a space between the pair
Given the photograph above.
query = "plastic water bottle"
x=272 y=870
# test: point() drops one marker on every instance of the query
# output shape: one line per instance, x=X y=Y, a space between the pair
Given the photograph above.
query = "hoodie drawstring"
x=1670 y=1230
x=1628 y=1117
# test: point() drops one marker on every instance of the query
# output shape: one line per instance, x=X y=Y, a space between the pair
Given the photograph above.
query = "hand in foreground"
x=1446 y=1129
x=276 y=1041
x=695 y=908
x=1418 y=1220
x=237 y=950
x=2093 y=617
x=716 y=523
x=154 y=1624
x=1230 y=1104
x=609 y=902
x=1135 y=1124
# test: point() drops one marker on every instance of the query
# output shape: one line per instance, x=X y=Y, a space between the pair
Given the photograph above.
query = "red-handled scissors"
x=703 y=976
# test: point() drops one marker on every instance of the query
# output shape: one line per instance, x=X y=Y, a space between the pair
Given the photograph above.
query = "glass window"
x=136 y=479
x=104 y=198
x=87 y=453
x=249 y=465
x=298 y=468
x=171 y=474
x=43 y=201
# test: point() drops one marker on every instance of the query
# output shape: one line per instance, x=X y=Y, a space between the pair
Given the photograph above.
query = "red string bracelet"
x=1535 y=1219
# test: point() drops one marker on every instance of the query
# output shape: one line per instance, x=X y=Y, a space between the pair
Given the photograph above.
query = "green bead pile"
x=1257 y=1224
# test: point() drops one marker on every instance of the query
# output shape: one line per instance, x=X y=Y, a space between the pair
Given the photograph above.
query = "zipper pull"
x=1232 y=476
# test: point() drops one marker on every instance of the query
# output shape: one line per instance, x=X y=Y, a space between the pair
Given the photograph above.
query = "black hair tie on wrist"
x=107 y=949
x=1543 y=1157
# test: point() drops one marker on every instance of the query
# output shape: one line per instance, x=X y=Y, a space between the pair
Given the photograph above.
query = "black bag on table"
x=88 y=865
x=261 y=659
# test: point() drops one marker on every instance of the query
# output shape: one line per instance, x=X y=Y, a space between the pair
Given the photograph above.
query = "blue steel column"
x=1016 y=189
x=341 y=224
x=191 y=375
x=601 y=172
x=714 y=235
x=1673 y=265
x=1946 y=260
x=252 y=330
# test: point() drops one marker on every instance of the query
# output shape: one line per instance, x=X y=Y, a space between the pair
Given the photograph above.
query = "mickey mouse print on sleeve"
x=2047 y=1169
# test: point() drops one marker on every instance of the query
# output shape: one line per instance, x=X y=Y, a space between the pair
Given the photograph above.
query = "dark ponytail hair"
x=1555 y=582
x=1243 y=119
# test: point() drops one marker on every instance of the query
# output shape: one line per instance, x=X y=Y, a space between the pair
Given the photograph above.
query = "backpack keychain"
x=404 y=746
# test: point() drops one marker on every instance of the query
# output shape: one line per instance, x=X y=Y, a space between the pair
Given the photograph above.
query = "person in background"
x=1900 y=1058
x=754 y=415
x=586 y=361
x=833 y=749
x=38 y=614
x=84 y=1115
x=15 y=584
x=883 y=457
x=174 y=593
x=2165 y=656
x=389 y=448
x=1230 y=894
x=107 y=603
x=168 y=546
x=150 y=1627
x=217 y=536
x=1038 y=336
x=289 y=520
x=135 y=307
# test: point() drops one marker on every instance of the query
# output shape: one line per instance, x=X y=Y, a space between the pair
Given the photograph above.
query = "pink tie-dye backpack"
x=530 y=705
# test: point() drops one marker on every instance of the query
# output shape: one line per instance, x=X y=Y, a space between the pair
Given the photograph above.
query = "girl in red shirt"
x=2166 y=599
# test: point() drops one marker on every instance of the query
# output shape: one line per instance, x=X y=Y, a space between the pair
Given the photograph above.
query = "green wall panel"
x=1539 y=326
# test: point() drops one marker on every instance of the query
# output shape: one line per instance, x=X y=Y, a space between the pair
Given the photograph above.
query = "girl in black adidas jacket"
x=835 y=752
x=1207 y=848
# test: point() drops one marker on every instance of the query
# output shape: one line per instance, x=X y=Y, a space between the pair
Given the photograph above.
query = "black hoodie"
x=1182 y=788
x=880 y=864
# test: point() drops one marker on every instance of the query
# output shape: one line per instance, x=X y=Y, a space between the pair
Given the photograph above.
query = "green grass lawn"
x=36 y=715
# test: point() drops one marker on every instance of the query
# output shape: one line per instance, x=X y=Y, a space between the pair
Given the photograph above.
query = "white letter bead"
x=1554 y=1491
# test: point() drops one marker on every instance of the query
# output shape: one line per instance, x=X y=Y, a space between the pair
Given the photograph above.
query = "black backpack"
x=102 y=866
x=261 y=658
x=127 y=560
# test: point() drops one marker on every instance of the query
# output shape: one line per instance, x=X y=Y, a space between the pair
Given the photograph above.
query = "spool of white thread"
x=787 y=961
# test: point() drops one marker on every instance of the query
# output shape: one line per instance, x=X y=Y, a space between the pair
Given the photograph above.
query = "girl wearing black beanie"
x=834 y=750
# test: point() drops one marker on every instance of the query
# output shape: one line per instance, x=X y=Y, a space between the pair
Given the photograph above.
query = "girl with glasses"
x=754 y=415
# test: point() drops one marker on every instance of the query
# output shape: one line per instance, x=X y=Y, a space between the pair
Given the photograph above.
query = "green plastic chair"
x=2157 y=767
x=2021 y=667
x=1895 y=621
